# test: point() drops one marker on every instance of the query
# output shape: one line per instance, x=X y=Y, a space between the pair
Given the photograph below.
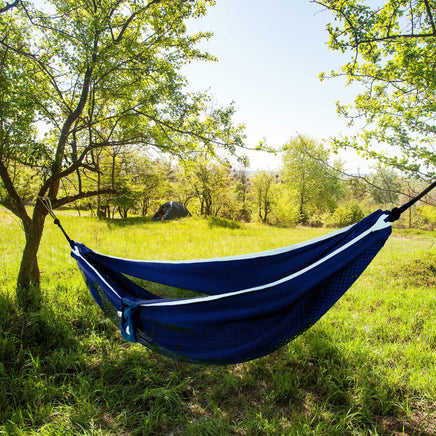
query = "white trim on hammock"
x=265 y=253
x=77 y=253
x=380 y=224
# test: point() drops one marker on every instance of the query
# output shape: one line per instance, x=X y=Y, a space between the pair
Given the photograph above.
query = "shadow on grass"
x=126 y=222
x=224 y=223
x=68 y=372
x=133 y=221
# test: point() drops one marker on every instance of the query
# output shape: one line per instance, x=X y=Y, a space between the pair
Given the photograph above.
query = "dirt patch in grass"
x=418 y=424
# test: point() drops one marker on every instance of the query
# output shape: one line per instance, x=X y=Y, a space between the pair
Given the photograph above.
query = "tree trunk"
x=28 y=282
x=301 y=210
x=123 y=211
x=144 y=207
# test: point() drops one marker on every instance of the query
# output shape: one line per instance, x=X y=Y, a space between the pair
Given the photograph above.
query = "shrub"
x=427 y=215
x=319 y=219
x=346 y=215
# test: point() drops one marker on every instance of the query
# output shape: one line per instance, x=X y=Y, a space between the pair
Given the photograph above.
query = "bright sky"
x=270 y=55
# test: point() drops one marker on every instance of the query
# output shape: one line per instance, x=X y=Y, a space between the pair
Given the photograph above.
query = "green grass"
x=368 y=367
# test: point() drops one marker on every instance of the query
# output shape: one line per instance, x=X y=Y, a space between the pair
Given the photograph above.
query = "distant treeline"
x=308 y=189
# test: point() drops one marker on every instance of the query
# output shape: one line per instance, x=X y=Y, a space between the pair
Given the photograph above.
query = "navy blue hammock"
x=243 y=307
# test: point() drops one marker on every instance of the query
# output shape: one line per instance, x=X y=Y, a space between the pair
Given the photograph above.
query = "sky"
x=270 y=55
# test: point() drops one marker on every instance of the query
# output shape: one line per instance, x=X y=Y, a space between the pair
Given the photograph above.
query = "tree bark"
x=28 y=282
x=29 y=278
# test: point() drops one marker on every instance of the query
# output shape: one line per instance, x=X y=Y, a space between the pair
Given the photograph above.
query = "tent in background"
x=171 y=210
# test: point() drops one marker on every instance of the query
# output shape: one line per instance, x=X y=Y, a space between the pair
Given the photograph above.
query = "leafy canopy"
x=100 y=74
x=393 y=52
x=312 y=182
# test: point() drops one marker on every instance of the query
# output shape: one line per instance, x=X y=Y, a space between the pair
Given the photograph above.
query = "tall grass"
x=368 y=367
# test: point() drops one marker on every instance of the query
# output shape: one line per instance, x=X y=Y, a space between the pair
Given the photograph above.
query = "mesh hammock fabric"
x=244 y=307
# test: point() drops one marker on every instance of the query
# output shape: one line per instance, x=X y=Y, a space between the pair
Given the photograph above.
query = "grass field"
x=366 y=368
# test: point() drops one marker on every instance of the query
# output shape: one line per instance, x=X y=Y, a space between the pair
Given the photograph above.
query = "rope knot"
x=394 y=215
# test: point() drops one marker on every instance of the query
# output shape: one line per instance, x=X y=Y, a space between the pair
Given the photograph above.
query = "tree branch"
x=41 y=65
x=388 y=36
x=8 y=6
x=167 y=125
x=78 y=163
x=131 y=18
x=430 y=17
x=15 y=204
x=399 y=36
x=358 y=176
x=72 y=117
x=70 y=198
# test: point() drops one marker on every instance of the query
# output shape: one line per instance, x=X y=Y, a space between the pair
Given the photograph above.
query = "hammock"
x=243 y=307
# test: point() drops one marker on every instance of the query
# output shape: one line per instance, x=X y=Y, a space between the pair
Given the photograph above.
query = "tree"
x=123 y=181
x=242 y=189
x=152 y=178
x=309 y=176
x=356 y=189
x=139 y=181
x=385 y=187
x=393 y=51
x=264 y=194
x=209 y=181
x=8 y=6
x=99 y=75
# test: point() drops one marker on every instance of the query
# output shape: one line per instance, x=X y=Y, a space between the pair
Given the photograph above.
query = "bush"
x=319 y=219
x=285 y=211
x=346 y=215
x=427 y=215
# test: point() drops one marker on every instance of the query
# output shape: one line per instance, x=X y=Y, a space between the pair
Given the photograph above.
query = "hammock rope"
x=396 y=212
x=46 y=202
x=244 y=306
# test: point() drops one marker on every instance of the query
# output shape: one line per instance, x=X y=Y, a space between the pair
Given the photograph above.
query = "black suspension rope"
x=397 y=211
x=46 y=202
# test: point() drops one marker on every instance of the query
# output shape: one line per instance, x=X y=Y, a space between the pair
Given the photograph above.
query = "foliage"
x=264 y=194
x=346 y=215
x=209 y=183
x=313 y=183
x=286 y=212
x=20 y=152
x=356 y=188
x=242 y=191
x=143 y=184
x=427 y=213
x=392 y=48
x=384 y=187
x=101 y=76
x=367 y=367
x=152 y=179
